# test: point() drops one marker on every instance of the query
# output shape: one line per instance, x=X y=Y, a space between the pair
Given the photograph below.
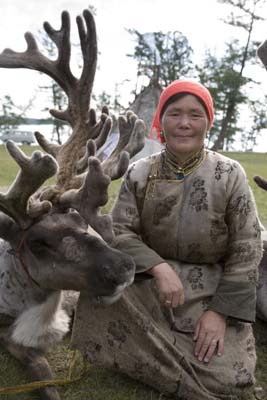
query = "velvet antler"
x=33 y=173
x=74 y=188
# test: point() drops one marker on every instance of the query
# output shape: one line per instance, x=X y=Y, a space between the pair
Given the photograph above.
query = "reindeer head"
x=47 y=227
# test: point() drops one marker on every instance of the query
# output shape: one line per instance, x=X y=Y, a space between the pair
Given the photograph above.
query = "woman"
x=188 y=218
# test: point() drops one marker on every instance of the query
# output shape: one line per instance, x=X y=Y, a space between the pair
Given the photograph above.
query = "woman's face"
x=185 y=125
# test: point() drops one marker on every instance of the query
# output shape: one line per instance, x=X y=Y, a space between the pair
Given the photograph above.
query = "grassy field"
x=99 y=384
x=253 y=163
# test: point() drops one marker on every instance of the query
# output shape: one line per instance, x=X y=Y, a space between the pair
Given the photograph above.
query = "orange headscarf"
x=180 y=86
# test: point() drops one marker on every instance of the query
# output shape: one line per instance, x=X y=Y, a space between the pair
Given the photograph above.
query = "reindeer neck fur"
x=39 y=318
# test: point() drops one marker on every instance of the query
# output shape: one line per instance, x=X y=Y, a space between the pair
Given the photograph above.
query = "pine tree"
x=234 y=81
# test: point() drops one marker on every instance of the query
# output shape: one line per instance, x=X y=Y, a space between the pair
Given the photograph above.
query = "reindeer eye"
x=38 y=245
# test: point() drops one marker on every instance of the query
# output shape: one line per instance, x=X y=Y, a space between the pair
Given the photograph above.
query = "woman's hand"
x=171 y=291
x=209 y=335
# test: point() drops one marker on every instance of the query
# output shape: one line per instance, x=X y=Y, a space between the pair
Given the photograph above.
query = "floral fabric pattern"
x=224 y=167
x=198 y=197
x=164 y=209
x=206 y=228
x=195 y=278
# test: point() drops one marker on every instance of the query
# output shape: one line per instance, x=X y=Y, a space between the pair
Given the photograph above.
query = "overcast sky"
x=198 y=20
x=112 y=19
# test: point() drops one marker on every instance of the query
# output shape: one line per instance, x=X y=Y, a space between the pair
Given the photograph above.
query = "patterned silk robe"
x=205 y=225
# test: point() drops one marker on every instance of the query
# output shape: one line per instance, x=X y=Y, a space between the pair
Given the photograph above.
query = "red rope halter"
x=24 y=265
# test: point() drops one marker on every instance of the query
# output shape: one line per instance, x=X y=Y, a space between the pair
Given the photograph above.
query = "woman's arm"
x=126 y=223
x=127 y=228
x=170 y=287
x=236 y=294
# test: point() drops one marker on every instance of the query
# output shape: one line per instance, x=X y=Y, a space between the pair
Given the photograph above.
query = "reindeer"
x=262 y=183
x=262 y=286
x=45 y=246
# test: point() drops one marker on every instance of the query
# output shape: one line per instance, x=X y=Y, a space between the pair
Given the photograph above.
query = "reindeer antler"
x=34 y=172
x=77 y=91
x=90 y=197
x=262 y=183
x=93 y=193
x=131 y=141
x=78 y=153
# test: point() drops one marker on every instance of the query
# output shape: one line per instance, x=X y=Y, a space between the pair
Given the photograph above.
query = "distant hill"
x=38 y=121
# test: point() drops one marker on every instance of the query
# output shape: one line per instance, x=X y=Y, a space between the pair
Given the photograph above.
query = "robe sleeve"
x=126 y=222
x=236 y=293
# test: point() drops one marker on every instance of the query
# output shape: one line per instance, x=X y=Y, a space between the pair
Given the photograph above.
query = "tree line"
x=163 y=57
x=169 y=56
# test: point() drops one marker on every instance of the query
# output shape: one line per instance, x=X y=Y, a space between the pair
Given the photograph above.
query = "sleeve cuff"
x=236 y=300
x=144 y=257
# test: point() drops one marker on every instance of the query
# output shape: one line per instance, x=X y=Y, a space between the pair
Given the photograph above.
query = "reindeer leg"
x=37 y=366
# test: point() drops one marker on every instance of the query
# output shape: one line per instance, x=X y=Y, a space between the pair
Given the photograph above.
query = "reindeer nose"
x=129 y=265
x=123 y=272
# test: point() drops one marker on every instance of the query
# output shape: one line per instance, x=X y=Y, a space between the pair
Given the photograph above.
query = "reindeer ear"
x=262 y=183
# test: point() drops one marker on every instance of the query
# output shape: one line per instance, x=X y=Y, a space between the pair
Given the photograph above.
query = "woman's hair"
x=179 y=96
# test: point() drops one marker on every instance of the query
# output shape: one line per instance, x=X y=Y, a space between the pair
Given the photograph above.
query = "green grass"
x=99 y=384
x=96 y=384
x=9 y=168
x=254 y=164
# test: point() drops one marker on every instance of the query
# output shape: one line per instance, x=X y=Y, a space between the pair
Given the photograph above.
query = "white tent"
x=151 y=147
x=144 y=106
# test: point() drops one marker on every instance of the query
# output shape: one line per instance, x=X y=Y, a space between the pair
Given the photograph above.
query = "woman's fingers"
x=209 y=335
x=205 y=348
x=199 y=344
x=197 y=331
x=171 y=291
x=174 y=299
x=220 y=347
x=208 y=353
x=181 y=301
x=170 y=300
x=165 y=298
x=168 y=303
